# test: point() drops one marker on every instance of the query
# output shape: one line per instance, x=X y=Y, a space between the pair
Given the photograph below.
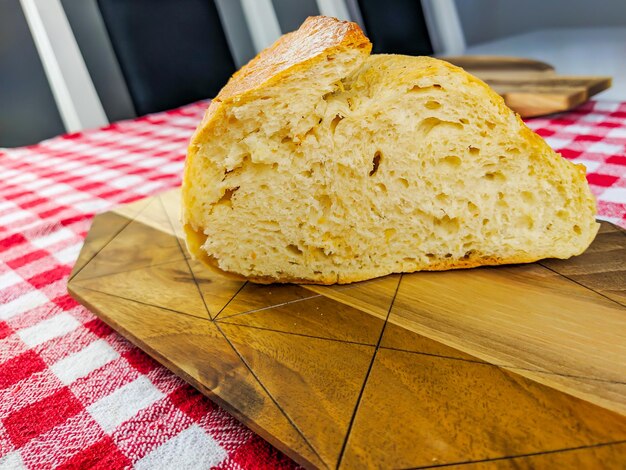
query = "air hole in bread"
x=333 y=124
x=528 y=221
x=452 y=161
x=420 y=89
x=490 y=124
x=381 y=187
x=528 y=197
x=472 y=208
x=226 y=199
x=432 y=104
x=324 y=201
x=376 y=162
x=495 y=176
x=448 y=224
x=463 y=121
x=286 y=140
x=448 y=255
x=468 y=254
x=473 y=150
x=442 y=197
x=404 y=182
x=310 y=133
x=294 y=250
x=577 y=230
x=318 y=252
x=390 y=232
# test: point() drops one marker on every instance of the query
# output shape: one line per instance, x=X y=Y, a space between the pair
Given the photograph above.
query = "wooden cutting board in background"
x=530 y=87
x=507 y=367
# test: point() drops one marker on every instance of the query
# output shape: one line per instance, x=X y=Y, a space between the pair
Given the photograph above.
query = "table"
x=75 y=394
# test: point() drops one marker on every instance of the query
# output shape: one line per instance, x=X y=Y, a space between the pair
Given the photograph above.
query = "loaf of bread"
x=321 y=163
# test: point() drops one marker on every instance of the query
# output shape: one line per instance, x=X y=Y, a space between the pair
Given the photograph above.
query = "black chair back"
x=396 y=26
x=171 y=52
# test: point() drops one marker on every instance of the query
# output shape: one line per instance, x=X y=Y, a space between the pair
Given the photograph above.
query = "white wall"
x=484 y=20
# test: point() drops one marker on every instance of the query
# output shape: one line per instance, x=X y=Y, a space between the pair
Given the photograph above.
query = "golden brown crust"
x=318 y=36
x=470 y=262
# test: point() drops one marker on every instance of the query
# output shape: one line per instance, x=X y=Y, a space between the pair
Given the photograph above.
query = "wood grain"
x=531 y=88
x=310 y=318
x=508 y=367
x=316 y=381
x=458 y=411
x=526 y=317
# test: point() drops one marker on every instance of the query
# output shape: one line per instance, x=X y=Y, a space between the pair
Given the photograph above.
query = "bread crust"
x=318 y=38
x=470 y=262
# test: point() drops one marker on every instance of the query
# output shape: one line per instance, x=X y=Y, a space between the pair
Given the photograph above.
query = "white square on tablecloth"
x=124 y=403
x=577 y=129
x=46 y=330
x=192 y=448
x=174 y=167
x=37 y=183
x=593 y=118
x=607 y=106
x=71 y=198
x=86 y=170
x=614 y=195
x=70 y=254
x=607 y=149
x=557 y=143
x=53 y=237
x=617 y=133
x=23 y=303
x=97 y=205
x=12 y=461
x=8 y=279
x=84 y=361
x=149 y=187
x=127 y=181
x=13 y=217
x=55 y=188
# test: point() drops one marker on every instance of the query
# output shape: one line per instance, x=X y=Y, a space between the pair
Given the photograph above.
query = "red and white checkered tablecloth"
x=73 y=393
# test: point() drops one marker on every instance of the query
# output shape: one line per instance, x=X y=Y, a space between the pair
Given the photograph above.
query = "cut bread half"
x=321 y=163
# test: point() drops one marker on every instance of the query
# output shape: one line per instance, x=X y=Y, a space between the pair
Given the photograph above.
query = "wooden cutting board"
x=509 y=367
x=530 y=87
